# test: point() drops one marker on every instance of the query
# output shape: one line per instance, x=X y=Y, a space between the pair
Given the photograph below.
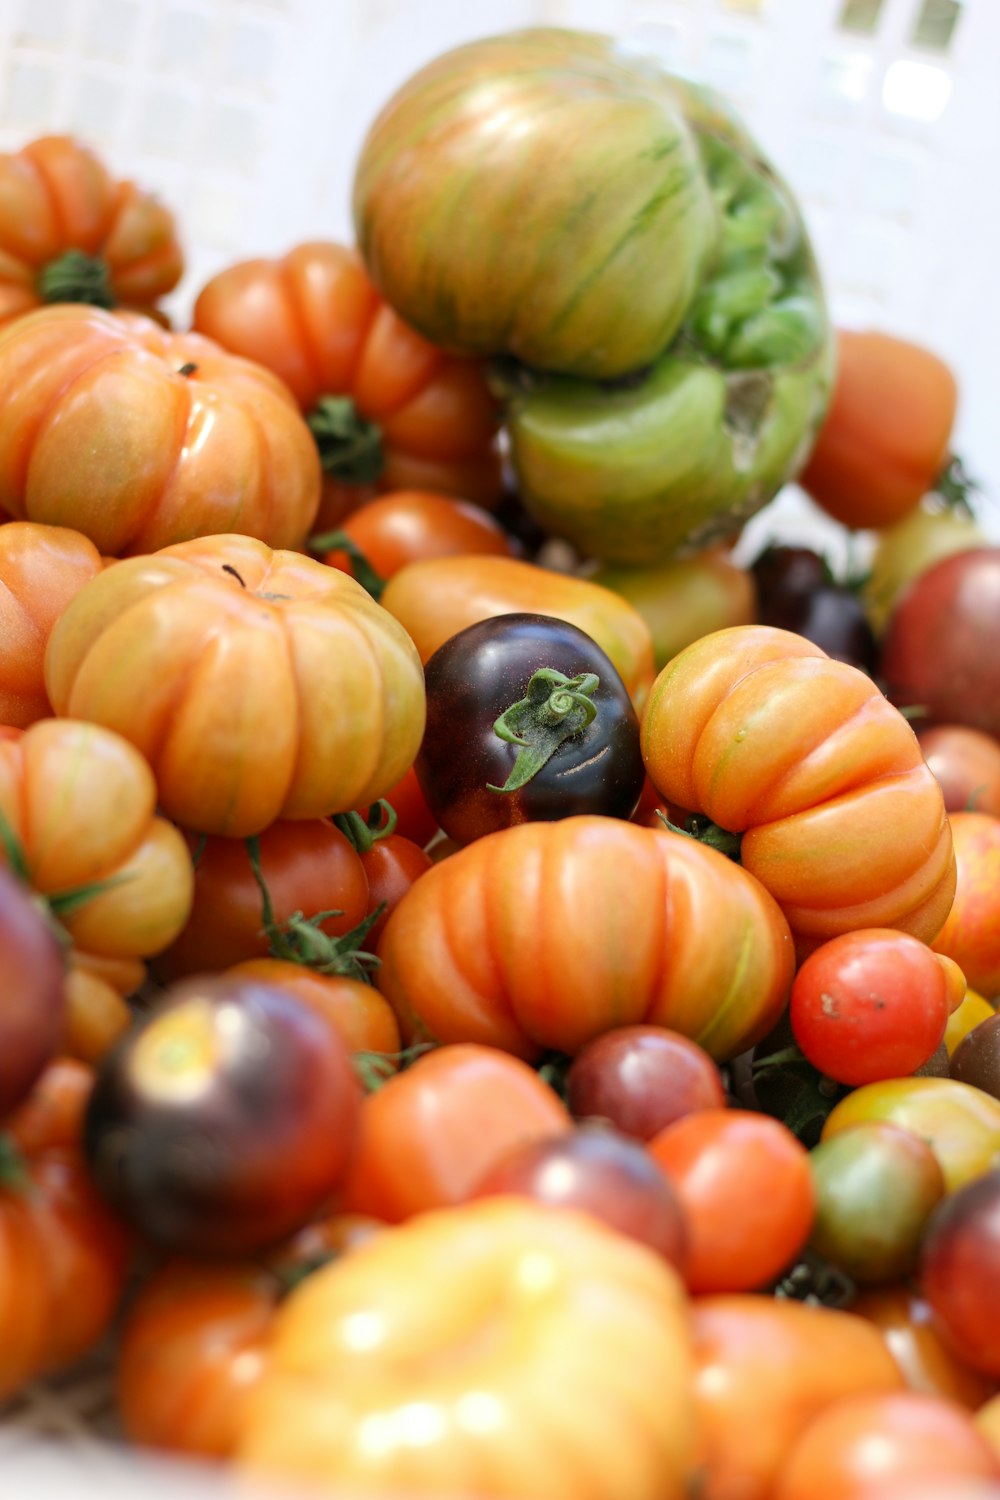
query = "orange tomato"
x=431 y=1132
x=802 y=757
x=360 y=1014
x=501 y=1348
x=926 y=1362
x=886 y=434
x=139 y=438
x=70 y=232
x=41 y=569
x=419 y=418
x=971 y=933
x=435 y=599
x=988 y=1421
x=259 y=685
x=409 y=526
x=523 y=940
x=765 y=1367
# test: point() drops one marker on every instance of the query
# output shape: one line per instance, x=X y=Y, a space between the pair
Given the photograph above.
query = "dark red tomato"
x=967 y=764
x=976 y=1059
x=870 y=1005
x=959 y=1271
x=392 y=864
x=641 y=1079
x=602 y=1172
x=32 y=993
x=942 y=646
x=226 y=1120
x=796 y=591
x=786 y=576
x=527 y=721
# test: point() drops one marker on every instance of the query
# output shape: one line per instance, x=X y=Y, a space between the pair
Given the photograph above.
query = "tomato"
x=959 y=1266
x=32 y=983
x=863 y=1441
x=522 y=941
x=971 y=933
x=959 y=1123
x=886 y=435
x=869 y=1004
x=876 y=1185
x=430 y=1133
x=642 y=1078
x=976 y=1059
x=966 y=1018
x=70 y=233
x=226 y=1119
x=388 y=409
x=41 y=569
x=79 y=805
x=906 y=550
x=684 y=599
x=407 y=526
x=606 y=1174
x=500 y=1347
x=358 y=1012
x=436 y=599
x=258 y=684
x=391 y=866
x=838 y=815
x=307 y=868
x=927 y=1364
x=527 y=719
x=746 y=1193
x=967 y=764
x=797 y=591
x=937 y=652
x=52 y=1114
x=139 y=438
x=988 y=1422
x=765 y=1368
x=98 y=1014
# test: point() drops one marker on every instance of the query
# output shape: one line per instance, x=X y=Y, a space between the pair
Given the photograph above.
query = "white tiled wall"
x=247 y=115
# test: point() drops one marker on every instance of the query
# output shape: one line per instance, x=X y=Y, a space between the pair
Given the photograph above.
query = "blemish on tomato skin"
x=829 y=1004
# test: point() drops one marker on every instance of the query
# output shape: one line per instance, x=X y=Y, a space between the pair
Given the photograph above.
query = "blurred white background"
x=247 y=116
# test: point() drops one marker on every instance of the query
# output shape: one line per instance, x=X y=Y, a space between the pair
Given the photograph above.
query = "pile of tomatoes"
x=476 y=1020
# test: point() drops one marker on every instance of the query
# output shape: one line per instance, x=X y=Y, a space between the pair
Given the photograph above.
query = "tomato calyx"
x=554 y=708
x=77 y=277
x=375 y=1068
x=704 y=831
x=955 y=486
x=785 y=1084
x=364 y=832
x=14 y=1176
x=816 y=1281
x=301 y=939
x=350 y=446
x=361 y=568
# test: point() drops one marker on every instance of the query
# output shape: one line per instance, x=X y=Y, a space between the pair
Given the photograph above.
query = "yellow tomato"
x=961 y=1124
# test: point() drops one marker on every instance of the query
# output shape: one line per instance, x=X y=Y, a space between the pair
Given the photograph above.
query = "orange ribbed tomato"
x=760 y=732
x=41 y=569
x=436 y=598
x=545 y=935
x=971 y=933
x=389 y=410
x=258 y=684
x=501 y=1348
x=139 y=438
x=69 y=232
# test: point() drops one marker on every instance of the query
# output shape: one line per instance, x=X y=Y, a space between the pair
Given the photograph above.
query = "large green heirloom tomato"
x=616 y=239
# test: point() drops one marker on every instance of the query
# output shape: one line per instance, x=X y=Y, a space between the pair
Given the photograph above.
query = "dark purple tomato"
x=960 y=1272
x=601 y=1172
x=976 y=1059
x=527 y=720
x=834 y=619
x=225 y=1120
x=32 y=993
x=941 y=649
x=786 y=576
x=641 y=1079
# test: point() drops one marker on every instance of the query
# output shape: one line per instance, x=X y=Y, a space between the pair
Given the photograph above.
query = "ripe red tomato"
x=747 y=1195
x=406 y=526
x=869 y=1005
x=960 y=1271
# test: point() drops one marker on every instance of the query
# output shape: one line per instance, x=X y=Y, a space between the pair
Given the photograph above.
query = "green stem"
x=13 y=1168
x=704 y=831
x=956 y=486
x=350 y=447
x=376 y=1068
x=76 y=277
x=361 y=568
x=361 y=833
x=301 y=940
x=554 y=709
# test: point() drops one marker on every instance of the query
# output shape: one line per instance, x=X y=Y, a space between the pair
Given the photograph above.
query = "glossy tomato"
x=927 y=1363
x=641 y=1079
x=971 y=933
x=959 y=1267
x=967 y=764
x=386 y=533
x=527 y=720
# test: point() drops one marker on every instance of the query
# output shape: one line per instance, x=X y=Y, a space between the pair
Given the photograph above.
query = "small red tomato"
x=392 y=864
x=642 y=1078
x=870 y=1005
x=746 y=1192
x=960 y=1271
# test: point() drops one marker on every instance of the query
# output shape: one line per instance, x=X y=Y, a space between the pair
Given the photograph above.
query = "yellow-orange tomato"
x=418 y=418
x=139 y=438
x=885 y=437
x=80 y=805
x=501 y=1348
x=973 y=1009
x=258 y=684
x=960 y=1123
x=362 y=1016
x=906 y=1322
x=411 y=525
x=838 y=815
x=971 y=933
x=435 y=599
x=765 y=1367
x=988 y=1422
x=429 y=1134
x=70 y=233
x=545 y=935
x=41 y=569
